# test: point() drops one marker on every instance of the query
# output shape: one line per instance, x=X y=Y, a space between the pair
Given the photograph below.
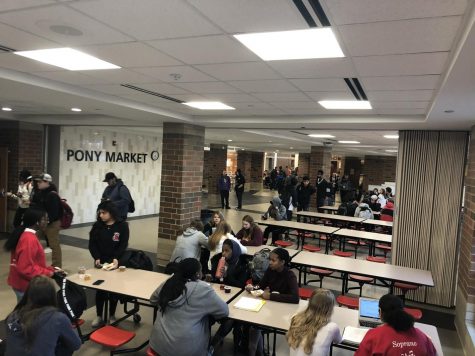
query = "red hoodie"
x=26 y=261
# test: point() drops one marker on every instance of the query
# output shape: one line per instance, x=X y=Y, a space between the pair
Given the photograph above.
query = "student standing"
x=108 y=240
x=321 y=185
x=27 y=258
x=251 y=233
x=311 y=331
x=224 y=186
x=239 y=187
x=37 y=327
x=185 y=304
x=22 y=196
x=304 y=192
x=397 y=336
x=117 y=192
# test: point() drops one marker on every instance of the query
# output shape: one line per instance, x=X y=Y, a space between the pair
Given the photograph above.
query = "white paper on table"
x=353 y=336
x=250 y=304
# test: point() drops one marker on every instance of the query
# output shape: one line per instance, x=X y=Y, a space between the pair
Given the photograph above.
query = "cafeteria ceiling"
x=413 y=58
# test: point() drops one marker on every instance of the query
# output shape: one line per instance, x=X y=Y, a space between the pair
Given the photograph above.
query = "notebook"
x=353 y=336
x=369 y=312
x=251 y=304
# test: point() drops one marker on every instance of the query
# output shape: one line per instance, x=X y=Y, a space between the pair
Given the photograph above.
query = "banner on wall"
x=106 y=156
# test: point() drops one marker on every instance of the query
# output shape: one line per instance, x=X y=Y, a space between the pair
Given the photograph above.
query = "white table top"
x=330 y=216
x=298 y=225
x=378 y=222
x=136 y=283
x=365 y=268
x=374 y=236
x=251 y=250
x=329 y=207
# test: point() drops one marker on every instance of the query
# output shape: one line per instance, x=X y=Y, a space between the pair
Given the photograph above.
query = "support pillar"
x=257 y=169
x=244 y=163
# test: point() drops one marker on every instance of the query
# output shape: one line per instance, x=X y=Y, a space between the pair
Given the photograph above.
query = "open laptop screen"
x=369 y=308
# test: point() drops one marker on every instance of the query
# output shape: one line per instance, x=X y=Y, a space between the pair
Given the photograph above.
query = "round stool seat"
x=376 y=259
x=342 y=253
x=150 y=352
x=349 y=302
x=305 y=293
x=311 y=248
x=405 y=286
x=284 y=244
x=111 y=336
x=358 y=278
x=384 y=247
x=320 y=271
x=415 y=313
x=355 y=242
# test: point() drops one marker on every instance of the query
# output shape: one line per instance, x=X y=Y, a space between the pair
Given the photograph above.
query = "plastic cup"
x=81 y=270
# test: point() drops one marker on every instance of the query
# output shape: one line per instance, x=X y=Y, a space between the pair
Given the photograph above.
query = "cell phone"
x=98 y=282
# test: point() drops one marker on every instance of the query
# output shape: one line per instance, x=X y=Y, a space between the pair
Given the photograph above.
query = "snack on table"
x=257 y=293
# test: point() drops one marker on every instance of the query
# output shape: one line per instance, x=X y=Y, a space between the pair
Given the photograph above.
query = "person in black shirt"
x=239 y=187
x=108 y=240
x=304 y=192
x=322 y=186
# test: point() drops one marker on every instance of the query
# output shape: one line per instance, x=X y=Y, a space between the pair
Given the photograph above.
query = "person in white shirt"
x=215 y=241
x=22 y=195
x=311 y=332
x=382 y=198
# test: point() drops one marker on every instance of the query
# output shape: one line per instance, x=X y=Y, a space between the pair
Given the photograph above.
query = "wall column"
x=304 y=164
x=182 y=175
x=257 y=169
x=244 y=163
x=320 y=158
x=214 y=165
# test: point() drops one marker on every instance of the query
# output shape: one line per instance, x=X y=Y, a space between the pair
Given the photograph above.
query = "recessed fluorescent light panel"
x=345 y=104
x=76 y=109
x=298 y=44
x=391 y=151
x=321 y=136
x=391 y=136
x=354 y=142
x=209 y=105
x=6 y=108
x=67 y=58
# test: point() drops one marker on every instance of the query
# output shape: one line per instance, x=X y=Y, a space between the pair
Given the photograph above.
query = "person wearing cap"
x=47 y=199
x=117 y=192
x=22 y=196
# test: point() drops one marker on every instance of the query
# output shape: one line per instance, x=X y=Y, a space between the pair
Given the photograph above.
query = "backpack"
x=259 y=264
x=172 y=267
x=136 y=259
x=71 y=298
x=342 y=209
x=131 y=207
x=68 y=214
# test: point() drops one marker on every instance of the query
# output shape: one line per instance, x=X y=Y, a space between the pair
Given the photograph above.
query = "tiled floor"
x=144 y=236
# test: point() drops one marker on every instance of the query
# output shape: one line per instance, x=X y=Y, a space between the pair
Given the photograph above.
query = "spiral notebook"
x=251 y=304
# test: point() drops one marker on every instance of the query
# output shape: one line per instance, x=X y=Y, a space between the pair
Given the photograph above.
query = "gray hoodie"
x=183 y=330
x=364 y=211
x=276 y=210
x=188 y=245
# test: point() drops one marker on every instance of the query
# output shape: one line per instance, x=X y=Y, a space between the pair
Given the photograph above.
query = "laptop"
x=369 y=312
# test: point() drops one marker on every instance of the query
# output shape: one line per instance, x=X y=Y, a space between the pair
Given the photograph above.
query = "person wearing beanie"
x=397 y=336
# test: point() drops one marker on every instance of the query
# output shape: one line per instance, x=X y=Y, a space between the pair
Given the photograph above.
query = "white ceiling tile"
x=260 y=86
x=401 y=111
x=23 y=64
x=8 y=5
x=189 y=97
x=119 y=76
x=204 y=50
x=315 y=68
x=252 y=106
x=131 y=54
x=208 y=87
x=413 y=82
x=70 y=77
x=398 y=37
x=403 y=64
x=403 y=95
x=362 y=11
x=21 y=40
x=163 y=88
x=239 y=71
x=291 y=96
x=232 y=98
x=39 y=20
x=236 y=16
x=321 y=84
x=167 y=74
x=113 y=89
x=149 y=19
x=335 y=95
x=400 y=104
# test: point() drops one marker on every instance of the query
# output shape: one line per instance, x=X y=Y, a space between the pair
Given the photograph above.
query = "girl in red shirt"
x=397 y=336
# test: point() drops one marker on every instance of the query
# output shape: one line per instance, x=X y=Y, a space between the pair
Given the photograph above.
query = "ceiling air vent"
x=6 y=49
x=149 y=92
x=312 y=12
x=355 y=86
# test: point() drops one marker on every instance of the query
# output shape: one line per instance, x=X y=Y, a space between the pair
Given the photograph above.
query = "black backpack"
x=71 y=298
x=136 y=259
x=259 y=264
x=342 y=209
x=131 y=207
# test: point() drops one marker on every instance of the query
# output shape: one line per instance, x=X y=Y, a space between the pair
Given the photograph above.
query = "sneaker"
x=97 y=322
x=112 y=319
x=48 y=250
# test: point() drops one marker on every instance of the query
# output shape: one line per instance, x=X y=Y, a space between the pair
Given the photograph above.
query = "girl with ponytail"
x=397 y=336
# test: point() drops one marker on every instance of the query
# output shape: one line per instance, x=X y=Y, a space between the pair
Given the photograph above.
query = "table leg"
x=344 y=282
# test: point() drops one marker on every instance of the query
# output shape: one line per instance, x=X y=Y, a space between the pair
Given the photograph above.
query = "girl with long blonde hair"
x=311 y=332
x=215 y=242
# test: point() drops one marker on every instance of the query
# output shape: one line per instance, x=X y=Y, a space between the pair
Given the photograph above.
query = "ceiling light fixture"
x=76 y=109
x=209 y=105
x=345 y=104
x=391 y=151
x=354 y=142
x=67 y=58
x=6 y=108
x=321 y=135
x=230 y=140
x=297 y=44
x=391 y=136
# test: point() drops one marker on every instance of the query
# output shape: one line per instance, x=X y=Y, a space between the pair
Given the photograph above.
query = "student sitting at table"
x=190 y=242
x=208 y=230
x=37 y=327
x=311 y=331
x=387 y=213
x=215 y=242
x=108 y=240
x=397 y=336
x=280 y=285
x=364 y=211
x=185 y=304
x=251 y=233
x=278 y=212
x=373 y=204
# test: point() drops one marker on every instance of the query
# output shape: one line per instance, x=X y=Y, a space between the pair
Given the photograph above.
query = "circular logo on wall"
x=154 y=155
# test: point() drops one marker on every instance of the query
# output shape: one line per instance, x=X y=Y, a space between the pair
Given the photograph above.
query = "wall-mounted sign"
x=106 y=156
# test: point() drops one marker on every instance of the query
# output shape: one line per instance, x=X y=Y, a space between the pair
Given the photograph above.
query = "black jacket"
x=120 y=195
x=49 y=201
x=321 y=188
x=303 y=194
x=239 y=180
x=107 y=242
x=236 y=275
x=289 y=191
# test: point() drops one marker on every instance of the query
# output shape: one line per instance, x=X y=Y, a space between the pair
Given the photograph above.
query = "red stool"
x=349 y=302
x=415 y=313
x=305 y=293
x=311 y=248
x=283 y=244
x=361 y=280
x=356 y=244
x=376 y=259
x=320 y=272
x=342 y=253
x=405 y=287
x=150 y=352
x=386 y=249
x=112 y=337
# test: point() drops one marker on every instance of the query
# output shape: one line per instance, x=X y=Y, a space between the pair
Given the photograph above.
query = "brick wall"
x=257 y=170
x=214 y=165
x=244 y=163
x=304 y=164
x=378 y=169
x=182 y=174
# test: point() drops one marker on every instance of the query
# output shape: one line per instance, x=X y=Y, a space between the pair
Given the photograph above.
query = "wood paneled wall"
x=429 y=182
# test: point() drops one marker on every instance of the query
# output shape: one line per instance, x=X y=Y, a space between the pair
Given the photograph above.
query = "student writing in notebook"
x=311 y=332
x=397 y=336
